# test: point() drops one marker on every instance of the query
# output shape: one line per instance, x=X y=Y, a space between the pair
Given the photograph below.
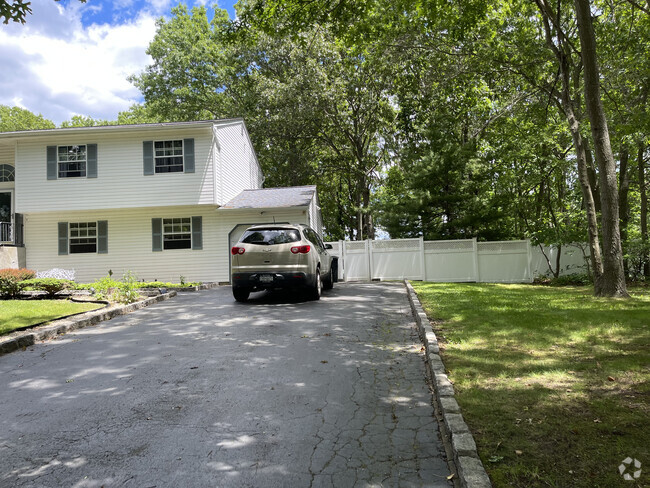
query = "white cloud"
x=55 y=66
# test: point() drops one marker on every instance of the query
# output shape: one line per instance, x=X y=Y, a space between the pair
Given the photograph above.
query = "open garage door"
x=233 y=238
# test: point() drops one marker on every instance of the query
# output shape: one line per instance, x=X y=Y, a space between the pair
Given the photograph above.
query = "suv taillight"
x=300 y=249
x=237 y=250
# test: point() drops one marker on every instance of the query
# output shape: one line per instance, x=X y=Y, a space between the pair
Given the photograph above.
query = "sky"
x=72 y=58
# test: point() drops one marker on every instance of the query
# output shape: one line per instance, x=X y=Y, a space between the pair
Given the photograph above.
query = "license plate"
x=265 y=278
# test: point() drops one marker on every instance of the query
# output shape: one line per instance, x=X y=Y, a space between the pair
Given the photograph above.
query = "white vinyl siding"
x=129 y=243
x=120 y=182
x=239 y=169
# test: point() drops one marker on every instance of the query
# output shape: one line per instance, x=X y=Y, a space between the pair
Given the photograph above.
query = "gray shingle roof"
x=292 y=196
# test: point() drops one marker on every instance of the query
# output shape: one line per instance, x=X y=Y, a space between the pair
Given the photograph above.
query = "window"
x=314 y=239
x=71 y=161
x=7 y=173
x=83 y=237
x=168 y=156
x=270 y=236
x=177 y=233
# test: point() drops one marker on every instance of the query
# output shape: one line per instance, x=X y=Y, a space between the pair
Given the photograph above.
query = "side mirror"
x=328 y=246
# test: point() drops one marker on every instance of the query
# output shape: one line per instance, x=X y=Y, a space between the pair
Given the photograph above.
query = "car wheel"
x=316 y=290
x=328 y=282
x=240 y=294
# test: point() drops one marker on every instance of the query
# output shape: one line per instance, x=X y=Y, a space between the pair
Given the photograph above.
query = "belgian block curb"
x=39 y=333
x=471 y=472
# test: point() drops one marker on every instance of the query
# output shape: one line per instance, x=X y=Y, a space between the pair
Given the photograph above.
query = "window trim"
x=59 y=162
x=7 y=173
x=195 y=233
x=165 y=234
x=181 y=156
x=86 y=237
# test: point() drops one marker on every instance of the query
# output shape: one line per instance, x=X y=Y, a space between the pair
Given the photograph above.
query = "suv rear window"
x=270 y=236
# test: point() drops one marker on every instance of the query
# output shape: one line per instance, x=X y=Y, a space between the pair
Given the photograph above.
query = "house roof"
x=292 y=196
x=117 y=128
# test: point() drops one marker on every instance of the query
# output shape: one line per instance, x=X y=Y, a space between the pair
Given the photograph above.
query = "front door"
x=5 y=216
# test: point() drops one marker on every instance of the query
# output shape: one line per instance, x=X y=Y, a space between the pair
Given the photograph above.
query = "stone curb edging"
x=62 y=326
x=471 y=472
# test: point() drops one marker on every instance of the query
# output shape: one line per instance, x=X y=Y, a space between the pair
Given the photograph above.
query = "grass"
x=553 y=383
x=15 y=314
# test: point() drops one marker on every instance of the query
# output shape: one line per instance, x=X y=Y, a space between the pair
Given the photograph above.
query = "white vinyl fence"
x=450 y=261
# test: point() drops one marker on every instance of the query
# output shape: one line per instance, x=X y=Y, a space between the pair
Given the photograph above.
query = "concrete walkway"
x=202 y=391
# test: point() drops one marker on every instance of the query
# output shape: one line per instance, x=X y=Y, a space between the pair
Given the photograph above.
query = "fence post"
x=423 y=262
x=341 y=260
x=369 y=253
x=530 y=259
x=476 y=272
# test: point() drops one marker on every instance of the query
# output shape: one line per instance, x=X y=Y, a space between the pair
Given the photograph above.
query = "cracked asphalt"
x=203 y=391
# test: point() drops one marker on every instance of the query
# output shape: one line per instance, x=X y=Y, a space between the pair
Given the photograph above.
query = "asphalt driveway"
x=202 y=391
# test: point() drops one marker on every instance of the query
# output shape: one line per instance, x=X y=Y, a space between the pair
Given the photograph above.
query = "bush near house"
x=51 y=286
x=11 y=281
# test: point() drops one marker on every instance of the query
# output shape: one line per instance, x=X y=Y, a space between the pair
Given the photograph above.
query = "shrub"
x=20 y=274
x=574 y=279
x=103 y=287
x=12 y=281
x=127 y=289
x=51 y=286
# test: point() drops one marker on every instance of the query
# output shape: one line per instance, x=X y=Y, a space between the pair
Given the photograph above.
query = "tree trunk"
x=612 y=282
x=565 y=103
x=623 y=191
x=644 y=211
x=588 y=198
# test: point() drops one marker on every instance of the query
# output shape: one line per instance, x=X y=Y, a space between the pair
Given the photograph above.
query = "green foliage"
x=16 y=119
x=127 y=289
x=51 y=286
x=161 y=284
x=12 y=281
x=574 y=279
x=84 y=121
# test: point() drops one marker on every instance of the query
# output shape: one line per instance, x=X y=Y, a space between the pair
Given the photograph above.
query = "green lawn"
x=553 y=382
x=21 y=313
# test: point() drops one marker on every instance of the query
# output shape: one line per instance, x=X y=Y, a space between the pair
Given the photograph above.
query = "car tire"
x=317 y=288
x=241 y=294
x=328 y=282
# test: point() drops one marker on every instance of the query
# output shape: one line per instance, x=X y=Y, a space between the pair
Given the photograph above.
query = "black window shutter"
x=51 y=163
x=156 y=235
x=91 y=162
x=63 y=238
x=188 y=155
x=147 y=157
x=102 y=237
x=197 y=233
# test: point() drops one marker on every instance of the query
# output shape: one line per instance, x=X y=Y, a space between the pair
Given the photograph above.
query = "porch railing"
x=12 y=232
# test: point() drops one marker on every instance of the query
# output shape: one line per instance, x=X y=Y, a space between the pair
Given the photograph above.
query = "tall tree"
x=16 y=118
x=612 y=281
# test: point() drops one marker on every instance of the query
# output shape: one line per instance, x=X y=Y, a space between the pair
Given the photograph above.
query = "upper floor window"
x=168 y=156
x=7 y=173
x=173 y=156
x=72 y=161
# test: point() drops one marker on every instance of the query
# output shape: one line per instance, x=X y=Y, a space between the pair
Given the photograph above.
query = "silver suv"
x=275 y=256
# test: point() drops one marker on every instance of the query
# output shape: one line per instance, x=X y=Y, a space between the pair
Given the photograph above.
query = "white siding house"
x=153 y=199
